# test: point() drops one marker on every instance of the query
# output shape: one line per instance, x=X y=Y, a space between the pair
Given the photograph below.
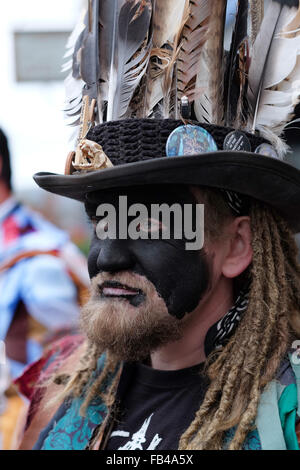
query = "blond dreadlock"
x=253 y=355
x=76 y=384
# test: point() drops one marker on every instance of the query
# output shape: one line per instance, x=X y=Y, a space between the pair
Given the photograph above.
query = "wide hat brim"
x=264 y=178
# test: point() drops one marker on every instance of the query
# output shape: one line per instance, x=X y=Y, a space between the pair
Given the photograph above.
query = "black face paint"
x=180 y=276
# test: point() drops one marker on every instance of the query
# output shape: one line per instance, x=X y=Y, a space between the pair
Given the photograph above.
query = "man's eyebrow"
x=89 y=219
x=90 y=210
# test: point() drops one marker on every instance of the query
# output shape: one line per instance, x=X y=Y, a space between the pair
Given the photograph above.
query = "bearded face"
x=141 y=290
x=130 y=329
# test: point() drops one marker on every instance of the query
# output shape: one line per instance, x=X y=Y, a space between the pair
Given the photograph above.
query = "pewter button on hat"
x=237 y=140
x=267 y=150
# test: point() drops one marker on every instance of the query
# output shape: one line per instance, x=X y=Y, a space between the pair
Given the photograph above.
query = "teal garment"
x=274 y=436
x=279 y=410
x=74 y=432
x=288 y=415
x=252 y=441
x=275 y=422
x=68 y=430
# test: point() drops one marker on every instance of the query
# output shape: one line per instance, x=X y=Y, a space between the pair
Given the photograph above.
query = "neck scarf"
x=219 y=333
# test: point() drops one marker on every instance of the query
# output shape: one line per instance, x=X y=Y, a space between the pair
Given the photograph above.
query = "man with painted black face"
x=155 y=306
x=136 y=306
x=153 y=303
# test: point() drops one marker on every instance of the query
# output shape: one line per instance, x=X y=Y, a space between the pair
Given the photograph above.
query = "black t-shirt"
x=156 y=407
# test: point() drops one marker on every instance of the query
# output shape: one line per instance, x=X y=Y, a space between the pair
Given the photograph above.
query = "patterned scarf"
x=219 y=333
x=239 y=204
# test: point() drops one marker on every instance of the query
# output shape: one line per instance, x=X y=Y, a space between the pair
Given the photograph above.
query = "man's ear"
x=240 y=253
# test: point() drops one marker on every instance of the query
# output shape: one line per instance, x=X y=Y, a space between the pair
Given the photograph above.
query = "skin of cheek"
x=181 y=277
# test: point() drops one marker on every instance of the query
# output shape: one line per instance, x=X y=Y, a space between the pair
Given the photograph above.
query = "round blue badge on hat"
x=190 y=140
x=267 y=150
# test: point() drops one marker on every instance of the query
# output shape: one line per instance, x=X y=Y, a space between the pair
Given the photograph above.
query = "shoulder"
x=45 y=268
x=36 y=232
x=53 y=357
x=60 y=357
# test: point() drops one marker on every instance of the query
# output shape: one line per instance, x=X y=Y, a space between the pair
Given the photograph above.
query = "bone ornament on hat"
x=89 y=155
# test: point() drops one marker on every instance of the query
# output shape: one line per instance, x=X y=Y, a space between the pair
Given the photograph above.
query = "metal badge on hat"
x=189 y=139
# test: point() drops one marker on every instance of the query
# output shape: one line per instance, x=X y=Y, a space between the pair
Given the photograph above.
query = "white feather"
x=167 y=19
x=280 y=88
x=73 y=84
x=281 y=147
x=203 y=105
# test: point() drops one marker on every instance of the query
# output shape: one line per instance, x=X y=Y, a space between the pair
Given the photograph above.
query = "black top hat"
x=137 y=150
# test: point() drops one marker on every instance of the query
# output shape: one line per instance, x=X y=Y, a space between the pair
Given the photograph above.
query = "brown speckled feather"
x=256 y=15
x=210 y=107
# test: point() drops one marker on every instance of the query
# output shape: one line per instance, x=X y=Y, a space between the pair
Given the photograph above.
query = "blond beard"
x=129 y=333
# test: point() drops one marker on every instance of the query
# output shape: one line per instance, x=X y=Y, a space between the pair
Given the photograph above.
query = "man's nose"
x=114 y=256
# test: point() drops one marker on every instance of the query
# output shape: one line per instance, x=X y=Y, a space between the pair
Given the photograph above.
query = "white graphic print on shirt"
x=138 y=438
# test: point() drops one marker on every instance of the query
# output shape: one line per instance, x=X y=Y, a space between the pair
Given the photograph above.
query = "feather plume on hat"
x=138 y=58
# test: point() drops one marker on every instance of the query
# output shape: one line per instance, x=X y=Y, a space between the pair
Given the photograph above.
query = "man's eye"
x=99 y=224
x=94 y=221
x=102 y=225
x=150 y=226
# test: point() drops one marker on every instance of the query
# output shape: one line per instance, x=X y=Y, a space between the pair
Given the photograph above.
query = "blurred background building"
x=33 y=36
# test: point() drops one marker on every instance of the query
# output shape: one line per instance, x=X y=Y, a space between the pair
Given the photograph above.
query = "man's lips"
x=116 y=289
x=116 y=292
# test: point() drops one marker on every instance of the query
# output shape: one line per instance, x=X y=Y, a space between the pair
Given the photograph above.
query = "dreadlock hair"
x=251 y=358
x=79 y=383
x=239 y=372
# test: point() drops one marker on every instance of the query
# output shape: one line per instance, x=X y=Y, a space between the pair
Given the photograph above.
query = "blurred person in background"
x=42 y=277
x=4 y=384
